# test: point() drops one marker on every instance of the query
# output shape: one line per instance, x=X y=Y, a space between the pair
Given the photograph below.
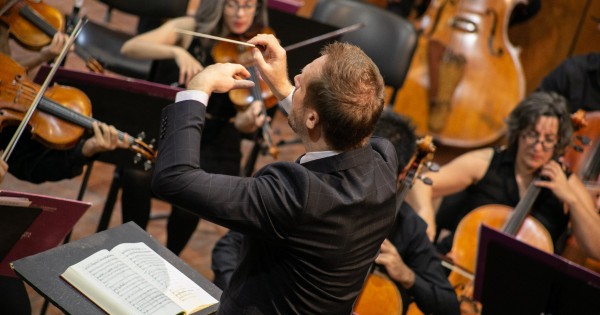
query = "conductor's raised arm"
x=271 y=60
x=221 y=78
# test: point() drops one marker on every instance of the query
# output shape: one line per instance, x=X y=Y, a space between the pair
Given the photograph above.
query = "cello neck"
x=522 y=209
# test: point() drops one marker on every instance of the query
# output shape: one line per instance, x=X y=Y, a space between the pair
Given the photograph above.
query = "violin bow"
x=325 y=36
x=57 y=62
x=305 y=42
x=7 y=6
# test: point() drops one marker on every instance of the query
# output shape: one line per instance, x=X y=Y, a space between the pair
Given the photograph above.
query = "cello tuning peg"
x=585 y=140
x=426 y=180
x=141 y=135
x=137 y=158
x=433 y=167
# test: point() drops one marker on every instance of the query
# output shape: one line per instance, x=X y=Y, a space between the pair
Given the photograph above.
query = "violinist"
x=539 y=129
x=225 y=124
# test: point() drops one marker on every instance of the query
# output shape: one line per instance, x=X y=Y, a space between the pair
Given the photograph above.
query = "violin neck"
x=49 y=106
x=522 y=209
x=31 y=16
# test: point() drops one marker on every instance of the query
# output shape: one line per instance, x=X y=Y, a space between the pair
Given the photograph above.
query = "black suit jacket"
x=312 y=230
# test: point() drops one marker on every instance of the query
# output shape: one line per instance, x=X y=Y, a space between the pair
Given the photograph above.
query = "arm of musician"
x=166 y=43
x=584 y=218
x=272 y=64
x=453 y=177
x=418 y=269
x=34 y=162
x=249 y=119
x=48 y=53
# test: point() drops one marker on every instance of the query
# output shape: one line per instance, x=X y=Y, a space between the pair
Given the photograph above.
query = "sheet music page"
x=165 y=276
x=14 y=201
x=116 y=288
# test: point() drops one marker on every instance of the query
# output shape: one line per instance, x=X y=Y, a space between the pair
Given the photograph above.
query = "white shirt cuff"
x=286 y=104
x=193 y=95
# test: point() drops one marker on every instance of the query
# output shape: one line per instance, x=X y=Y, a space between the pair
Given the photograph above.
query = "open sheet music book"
x=133 y=279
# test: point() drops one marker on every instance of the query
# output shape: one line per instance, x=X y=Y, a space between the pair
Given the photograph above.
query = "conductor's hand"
x=221 y=78
x=272 y=64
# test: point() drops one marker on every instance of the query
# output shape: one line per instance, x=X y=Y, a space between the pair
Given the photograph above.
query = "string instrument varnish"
x=465 y=76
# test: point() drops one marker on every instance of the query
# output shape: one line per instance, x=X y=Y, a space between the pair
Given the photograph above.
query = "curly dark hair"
x=527 y=112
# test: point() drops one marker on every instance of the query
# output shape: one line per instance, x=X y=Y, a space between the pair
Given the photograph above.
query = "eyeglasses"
x=232 y=7
x=532 y=138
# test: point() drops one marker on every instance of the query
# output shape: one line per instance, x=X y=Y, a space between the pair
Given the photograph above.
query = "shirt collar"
x=311 y=156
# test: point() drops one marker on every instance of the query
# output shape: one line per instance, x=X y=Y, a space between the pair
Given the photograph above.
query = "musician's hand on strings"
x=188 y=65
x=55 y=47
x=221 y=78
x=557 y=182
x=106 y=138
x=394 y=265
x=3 y=169
x=251 y=118
x=272 y=64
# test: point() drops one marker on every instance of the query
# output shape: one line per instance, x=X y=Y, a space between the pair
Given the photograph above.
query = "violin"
x=63 y=116
x=31 y=23
x=380 y=295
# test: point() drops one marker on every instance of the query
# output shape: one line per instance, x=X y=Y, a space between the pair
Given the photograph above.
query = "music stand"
x=48 y=229
x=512 y=277
x=42 y=271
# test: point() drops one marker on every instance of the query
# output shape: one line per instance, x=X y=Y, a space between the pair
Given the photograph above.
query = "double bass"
x=465 y=76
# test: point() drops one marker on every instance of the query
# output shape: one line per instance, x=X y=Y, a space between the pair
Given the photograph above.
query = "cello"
x=379 y=295
x=516 y=222
x=586 y=165
x=465 y=76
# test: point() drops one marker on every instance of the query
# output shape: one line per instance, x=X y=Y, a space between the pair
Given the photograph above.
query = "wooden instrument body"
x=379 y=296
x=17 y=94
x=32 y=23
x=464 y=247
x=481 y=90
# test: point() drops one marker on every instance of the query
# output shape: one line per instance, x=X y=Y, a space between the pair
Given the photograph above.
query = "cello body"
x=465 y=76
x=464 y=246
x=380 y=296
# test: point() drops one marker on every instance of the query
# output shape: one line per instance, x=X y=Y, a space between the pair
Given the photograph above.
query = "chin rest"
x=104 y=45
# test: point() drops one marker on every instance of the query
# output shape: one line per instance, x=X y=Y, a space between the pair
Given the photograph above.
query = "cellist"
x=539 y=129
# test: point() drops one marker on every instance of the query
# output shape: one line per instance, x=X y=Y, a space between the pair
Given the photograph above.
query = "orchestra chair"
x=103 y=44
x=389 y=39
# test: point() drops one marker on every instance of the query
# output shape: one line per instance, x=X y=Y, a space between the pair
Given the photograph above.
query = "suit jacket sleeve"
x=239 y=203
x=431 y=291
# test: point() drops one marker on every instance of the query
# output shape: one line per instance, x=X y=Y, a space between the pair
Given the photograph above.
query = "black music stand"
x=42 y=271
x=512 y=277
x=131 y=105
